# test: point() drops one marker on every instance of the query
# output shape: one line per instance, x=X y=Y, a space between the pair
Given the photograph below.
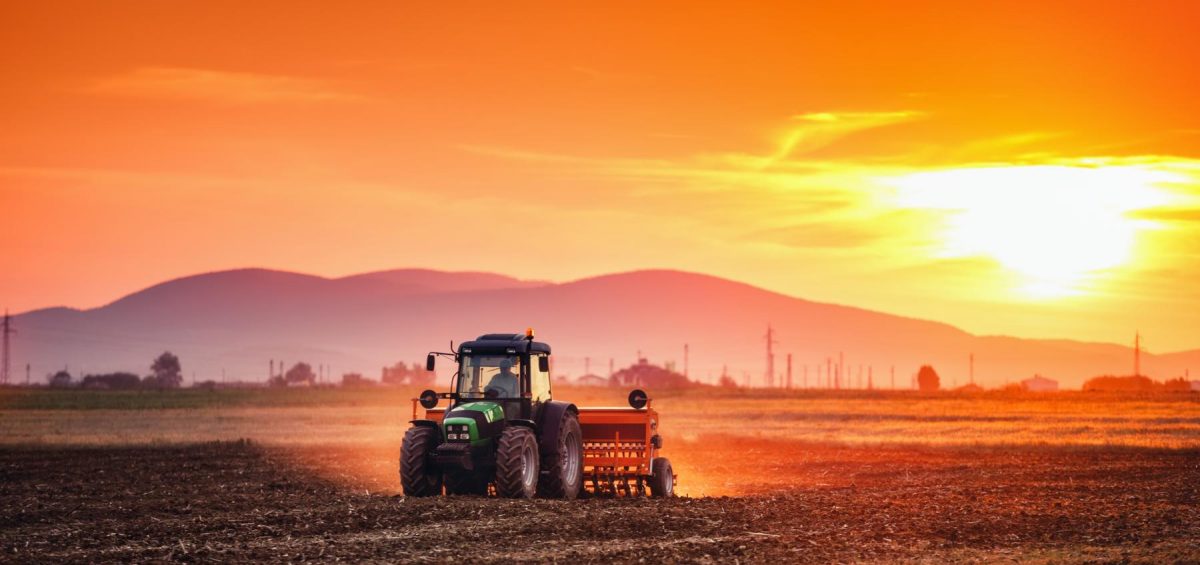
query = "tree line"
x=165 y=372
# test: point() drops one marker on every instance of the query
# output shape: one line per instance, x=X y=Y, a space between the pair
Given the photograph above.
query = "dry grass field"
x=800 y=476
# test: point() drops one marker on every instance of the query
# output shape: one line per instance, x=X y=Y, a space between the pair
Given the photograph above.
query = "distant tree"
x=1109 y=383
x=166 y=372
x=420 y=377
x=401 y=373
x=355 y=379
x=927 y=379
x=61 y=379
x=1012 y=388
x=1134 y=383
x=299 y=373
x=727 y=382
x=1177 y=385
x=113 y=381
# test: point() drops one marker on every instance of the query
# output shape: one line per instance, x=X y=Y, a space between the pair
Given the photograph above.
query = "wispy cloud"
x=813 y=131
x=219 y=86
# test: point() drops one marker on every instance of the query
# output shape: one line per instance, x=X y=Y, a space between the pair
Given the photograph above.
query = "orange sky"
x=1008 y=167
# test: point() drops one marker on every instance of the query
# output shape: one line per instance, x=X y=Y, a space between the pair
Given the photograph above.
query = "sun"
x=1058 y=228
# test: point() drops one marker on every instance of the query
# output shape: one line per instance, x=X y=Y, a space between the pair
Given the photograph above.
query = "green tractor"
x=502 y=427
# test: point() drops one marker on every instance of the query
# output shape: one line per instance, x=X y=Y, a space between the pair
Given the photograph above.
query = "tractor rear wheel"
x=563 y=476
x=465 y=482
x=517 y=463
x=417 y=476
x=662 y=478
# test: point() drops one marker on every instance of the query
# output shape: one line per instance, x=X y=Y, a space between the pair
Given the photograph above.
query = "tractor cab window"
x=539 y=381
x=481 y=373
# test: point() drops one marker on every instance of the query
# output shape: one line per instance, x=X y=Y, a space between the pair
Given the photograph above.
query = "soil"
x=239 y=501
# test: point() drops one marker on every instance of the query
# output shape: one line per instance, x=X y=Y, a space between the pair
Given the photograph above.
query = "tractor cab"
x=510 y=370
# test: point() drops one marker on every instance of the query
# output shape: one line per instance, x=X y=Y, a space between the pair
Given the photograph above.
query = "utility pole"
x=789 y=371
x=972 y=368
x=841 y=371
x=27 y=374
x=828 y=372
x=1137 y=350
x=685 y=360
x=893 y=377
x=870 y=378
x=770 y=357
x=7 y=330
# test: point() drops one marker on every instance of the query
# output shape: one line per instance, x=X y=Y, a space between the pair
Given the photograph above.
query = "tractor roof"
x=503 y=343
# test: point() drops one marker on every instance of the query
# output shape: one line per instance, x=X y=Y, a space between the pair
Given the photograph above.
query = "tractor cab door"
x=539 y=382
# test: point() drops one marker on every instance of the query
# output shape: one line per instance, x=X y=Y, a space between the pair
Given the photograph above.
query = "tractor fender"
x=424 y=424
x=526 y=423
x=552 y=416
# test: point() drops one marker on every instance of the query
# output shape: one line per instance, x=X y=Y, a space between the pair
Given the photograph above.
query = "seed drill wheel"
x=416 y=475
x=564 y=476
x=517 y=463
x=662 y=478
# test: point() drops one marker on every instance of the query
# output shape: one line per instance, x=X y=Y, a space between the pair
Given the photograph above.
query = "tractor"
x=504 y=433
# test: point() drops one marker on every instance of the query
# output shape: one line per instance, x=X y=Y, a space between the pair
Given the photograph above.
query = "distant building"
x=591 y=380
x=643 y=374
x=1038 y=383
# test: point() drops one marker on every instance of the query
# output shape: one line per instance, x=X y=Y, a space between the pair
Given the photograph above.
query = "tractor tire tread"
x=509 y=471
x=416 y=477
x=553 y=484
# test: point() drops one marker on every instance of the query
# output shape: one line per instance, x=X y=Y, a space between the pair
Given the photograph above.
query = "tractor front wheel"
x=417 y=476
x=517 y=463
x=662 y=478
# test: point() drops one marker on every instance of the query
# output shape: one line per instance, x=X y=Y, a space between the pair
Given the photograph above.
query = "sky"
x=1017 y=168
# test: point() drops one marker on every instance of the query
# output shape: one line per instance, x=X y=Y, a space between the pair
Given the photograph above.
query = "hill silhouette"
x=237 y=321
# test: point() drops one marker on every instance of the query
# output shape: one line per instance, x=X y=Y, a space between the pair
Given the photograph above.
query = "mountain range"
x=233 y=324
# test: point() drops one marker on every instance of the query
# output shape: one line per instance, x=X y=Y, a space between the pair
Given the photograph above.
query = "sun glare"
x=1058 y=228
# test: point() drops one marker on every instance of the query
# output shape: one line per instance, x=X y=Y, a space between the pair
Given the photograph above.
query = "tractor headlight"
x=459 y=432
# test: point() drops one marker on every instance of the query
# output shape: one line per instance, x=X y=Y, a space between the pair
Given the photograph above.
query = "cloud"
x=1168 y=214
x=219 y=86
x=821 y=129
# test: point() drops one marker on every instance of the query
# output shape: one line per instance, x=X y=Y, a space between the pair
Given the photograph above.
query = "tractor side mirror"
x=638 y=398
x=429 y=361
x=543 y=364
x=428 y=399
